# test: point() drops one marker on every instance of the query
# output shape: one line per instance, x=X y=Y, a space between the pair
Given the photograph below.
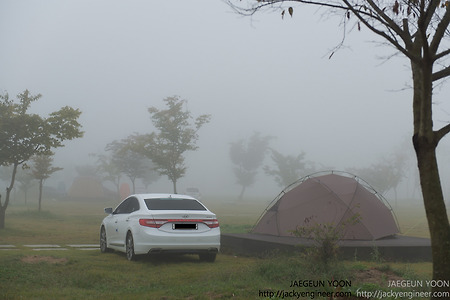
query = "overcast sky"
x=113 y=59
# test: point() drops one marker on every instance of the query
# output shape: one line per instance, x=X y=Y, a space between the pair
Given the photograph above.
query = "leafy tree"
x=384 y=175
x=149 y=176
x=129 y=162
x=418 y=30
x=26 y=182
x=41 y=170
x=176 y=133
x=289 y=168
x=109 y=171
x=23 y=135
x=248 y=156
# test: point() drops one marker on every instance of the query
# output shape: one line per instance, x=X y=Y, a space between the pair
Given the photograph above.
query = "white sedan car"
x=154 y=223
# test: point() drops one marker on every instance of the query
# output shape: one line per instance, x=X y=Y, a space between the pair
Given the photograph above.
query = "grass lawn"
x=78 y=274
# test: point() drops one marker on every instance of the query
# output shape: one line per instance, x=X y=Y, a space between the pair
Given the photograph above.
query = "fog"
x=114 y=59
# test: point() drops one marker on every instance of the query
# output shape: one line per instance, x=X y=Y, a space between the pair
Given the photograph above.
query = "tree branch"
x=429 y=11
x=440 y=31
x=388 y=23
x=438 y=135
x=442 y=54
x=317 y=3
x=270 y=3
x=441 y=74
x=363 y=13
x=385 y=17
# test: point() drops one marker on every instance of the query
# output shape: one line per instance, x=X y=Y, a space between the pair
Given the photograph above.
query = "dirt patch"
x=376 y=276
x=34 y=259
x=373 y=276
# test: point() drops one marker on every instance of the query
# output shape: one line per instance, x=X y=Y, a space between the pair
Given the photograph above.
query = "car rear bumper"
x=152 y=241
x=183 y=251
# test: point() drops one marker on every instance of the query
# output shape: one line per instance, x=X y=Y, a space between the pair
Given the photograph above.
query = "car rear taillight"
x=214 y=223
x=157 y=223
x=153 y=223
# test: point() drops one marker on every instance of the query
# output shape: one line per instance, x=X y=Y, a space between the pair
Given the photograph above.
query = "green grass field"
x=78 y=274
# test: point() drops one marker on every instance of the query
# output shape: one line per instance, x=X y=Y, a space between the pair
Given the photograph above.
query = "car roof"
x=163 y=196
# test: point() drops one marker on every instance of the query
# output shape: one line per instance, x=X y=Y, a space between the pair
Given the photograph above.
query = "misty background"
x=114 y=59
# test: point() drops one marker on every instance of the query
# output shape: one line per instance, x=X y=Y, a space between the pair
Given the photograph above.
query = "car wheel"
x=103 y=241
x=208 y=257
x=130 y=247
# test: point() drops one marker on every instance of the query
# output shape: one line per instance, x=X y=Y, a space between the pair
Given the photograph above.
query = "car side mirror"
x=108 y=210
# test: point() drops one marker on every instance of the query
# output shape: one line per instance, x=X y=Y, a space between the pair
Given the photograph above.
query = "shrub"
x=325 y=236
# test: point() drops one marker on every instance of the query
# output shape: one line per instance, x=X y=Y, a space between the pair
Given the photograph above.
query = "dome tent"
x=329 y=198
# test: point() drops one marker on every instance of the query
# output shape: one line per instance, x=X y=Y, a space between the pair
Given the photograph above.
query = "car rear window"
x=173 y=204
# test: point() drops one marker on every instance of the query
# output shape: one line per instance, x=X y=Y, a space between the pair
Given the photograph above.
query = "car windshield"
x=173 y=204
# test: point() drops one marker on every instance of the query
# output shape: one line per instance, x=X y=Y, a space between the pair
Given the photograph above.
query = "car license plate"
x=184 y=226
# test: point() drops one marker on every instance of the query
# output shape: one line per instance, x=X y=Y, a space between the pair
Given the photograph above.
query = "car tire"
x=129 y=247
x=208 y=257
x=103 y=241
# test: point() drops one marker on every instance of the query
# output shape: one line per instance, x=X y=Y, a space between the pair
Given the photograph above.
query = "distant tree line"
x=148 y=156
x=248 y=156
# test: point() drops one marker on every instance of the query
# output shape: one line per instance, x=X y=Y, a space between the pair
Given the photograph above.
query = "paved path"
x=45 y=247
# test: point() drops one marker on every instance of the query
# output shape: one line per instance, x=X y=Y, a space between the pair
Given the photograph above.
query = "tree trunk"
x=241 y=195
x=2 y=216
x=174 y=186
x=425 y=142
x=8 y=193
x=119 y=197
x=41 y=184
x=435 y=210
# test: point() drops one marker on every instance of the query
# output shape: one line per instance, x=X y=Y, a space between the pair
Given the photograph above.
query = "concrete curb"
x=53 y=247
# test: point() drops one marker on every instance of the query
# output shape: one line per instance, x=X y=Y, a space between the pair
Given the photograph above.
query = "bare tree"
x=417 y=29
